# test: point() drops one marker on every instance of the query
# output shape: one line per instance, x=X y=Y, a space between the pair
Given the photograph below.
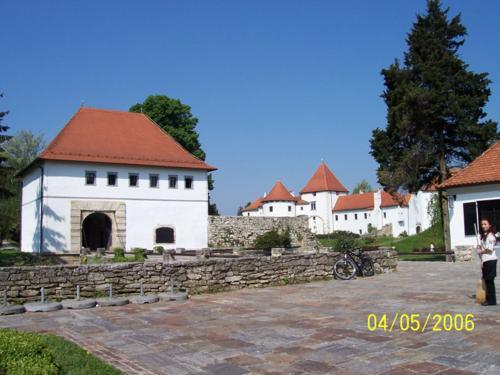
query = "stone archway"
x=114 y=210
x=96 y=231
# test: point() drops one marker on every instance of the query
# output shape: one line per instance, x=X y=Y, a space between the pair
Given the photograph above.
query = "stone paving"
x=315 y=328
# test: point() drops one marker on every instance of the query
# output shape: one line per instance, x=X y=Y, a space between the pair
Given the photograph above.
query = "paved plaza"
x=320 y=327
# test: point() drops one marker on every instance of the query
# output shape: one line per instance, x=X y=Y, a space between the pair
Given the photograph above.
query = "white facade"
x=319 y=210
x=278 y=209
x=146 y=208
x=460 y=196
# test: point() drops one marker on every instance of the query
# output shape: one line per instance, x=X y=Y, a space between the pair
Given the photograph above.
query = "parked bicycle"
x=352 y=263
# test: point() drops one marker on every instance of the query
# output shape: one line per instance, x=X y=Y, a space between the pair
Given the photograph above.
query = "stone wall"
x=235 y=231
x=23 y=283
x=464 y=253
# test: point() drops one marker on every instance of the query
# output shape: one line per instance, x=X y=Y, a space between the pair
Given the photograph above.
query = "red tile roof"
x=323 y=180
x=483 y=170
x=255 y=205
x=278 y=193
x=117 y=137
x=388 y=200
x=355 y=202
x=300 y=202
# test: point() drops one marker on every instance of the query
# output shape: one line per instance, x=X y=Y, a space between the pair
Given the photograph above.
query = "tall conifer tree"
x=435 y=109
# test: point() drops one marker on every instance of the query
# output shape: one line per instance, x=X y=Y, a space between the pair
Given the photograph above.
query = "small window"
x=302 y=208
x=360 y=231
x=133 y=179
x=112 y=178
x=314 y=194
x=289 y=208
x=172 y=182
x=336 y=217
x=313 y=206
x=385 y=215
x=270 y=208
x=89 y=178
x=188 y=182
x=366 y=215
x=164 y=235
x=154 y=180
x=355 y=216
x=345 y=217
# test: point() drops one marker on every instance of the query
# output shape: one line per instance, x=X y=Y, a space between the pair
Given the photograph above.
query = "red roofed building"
x=114 y=179
x=474 y=193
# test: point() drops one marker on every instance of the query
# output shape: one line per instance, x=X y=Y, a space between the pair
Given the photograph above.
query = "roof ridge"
x=471 y=164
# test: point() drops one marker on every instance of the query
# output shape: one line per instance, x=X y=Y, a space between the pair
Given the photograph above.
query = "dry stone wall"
x=241 y=231
x=23 y=283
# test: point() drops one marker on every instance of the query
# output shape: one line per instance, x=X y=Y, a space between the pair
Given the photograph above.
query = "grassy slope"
x=407 y=244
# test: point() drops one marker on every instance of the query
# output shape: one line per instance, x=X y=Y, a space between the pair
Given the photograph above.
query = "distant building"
x=114 y=179
x=329 y=207
x=474 y=193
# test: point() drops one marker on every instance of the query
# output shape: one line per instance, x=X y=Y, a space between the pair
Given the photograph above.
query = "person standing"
x=489 y=258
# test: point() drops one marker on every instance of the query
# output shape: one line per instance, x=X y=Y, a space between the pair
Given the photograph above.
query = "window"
x=289 y=208
x=355 y=216
x=486 y=209
x=313 y=206
x=154 y=180
x=112 y=178
x=314 y=194
x=385 y=215
x=366 y=215
x=360 y=231
x=164 y=235
x=302 y=208
x=188 y=182
x=270 y=208
x=345 y=217
x=89 y=178
x=336 y=217
x=172 y=182
x=133 y=179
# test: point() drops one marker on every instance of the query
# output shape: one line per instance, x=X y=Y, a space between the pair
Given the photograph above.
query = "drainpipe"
x=41 y=208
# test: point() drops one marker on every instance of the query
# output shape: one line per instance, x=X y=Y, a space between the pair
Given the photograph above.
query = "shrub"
x=343 y=240
x=158 y=249
x=139 y=254
x=24 y=353
x=118 y=252
x=272 y=239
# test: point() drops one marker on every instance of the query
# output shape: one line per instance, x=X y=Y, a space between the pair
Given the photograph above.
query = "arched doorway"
x=96 y=231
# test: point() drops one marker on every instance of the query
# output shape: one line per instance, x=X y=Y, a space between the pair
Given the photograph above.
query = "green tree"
x=21 y=149
x=6 y=202
x=177 y=120
x=435 y=109
x=362 y=187
x=18 y=152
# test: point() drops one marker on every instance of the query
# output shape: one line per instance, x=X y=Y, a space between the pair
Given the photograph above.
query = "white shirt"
x=489 y=243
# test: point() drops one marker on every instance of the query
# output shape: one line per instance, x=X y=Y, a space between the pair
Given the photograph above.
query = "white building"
x=114 y=179
x=278 y=203
x=474 y=193
x=329 y=207
x=322 y=191
x=358 y=212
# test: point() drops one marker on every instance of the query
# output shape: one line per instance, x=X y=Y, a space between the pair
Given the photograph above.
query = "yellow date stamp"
x=420 y=323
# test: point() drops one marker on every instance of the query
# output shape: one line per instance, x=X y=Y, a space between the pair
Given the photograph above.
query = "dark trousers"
x=489 y=274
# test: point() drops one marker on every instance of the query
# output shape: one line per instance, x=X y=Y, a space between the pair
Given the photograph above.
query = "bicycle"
x=350 y=264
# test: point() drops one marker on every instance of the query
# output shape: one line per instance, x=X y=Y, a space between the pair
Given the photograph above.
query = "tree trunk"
x=443 y=201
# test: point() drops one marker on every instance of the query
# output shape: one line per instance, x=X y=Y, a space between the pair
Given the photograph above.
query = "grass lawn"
x=31 y=353
x=13 y=257
x=73 y=360
x=405 y=244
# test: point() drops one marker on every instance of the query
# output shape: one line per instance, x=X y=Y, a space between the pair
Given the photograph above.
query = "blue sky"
x=277 y=85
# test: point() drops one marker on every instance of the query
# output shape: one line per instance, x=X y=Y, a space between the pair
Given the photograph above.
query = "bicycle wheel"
x=367 y=268
x=344 y=269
